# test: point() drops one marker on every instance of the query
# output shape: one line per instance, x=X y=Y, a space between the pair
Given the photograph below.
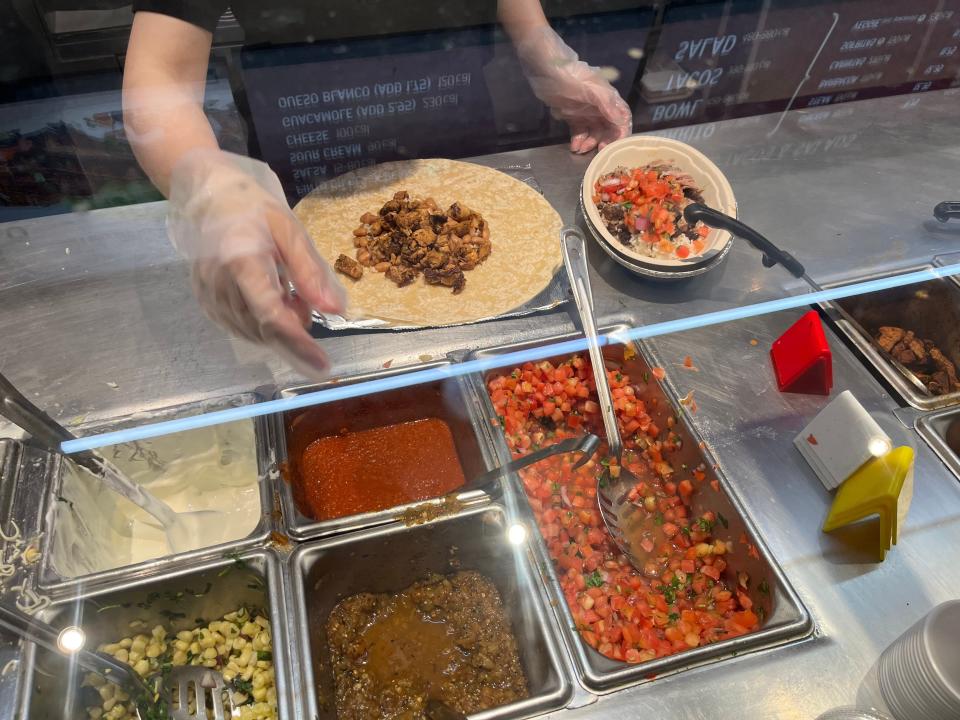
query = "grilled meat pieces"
x=348 y=266
x=921 y=357
x=409 y=237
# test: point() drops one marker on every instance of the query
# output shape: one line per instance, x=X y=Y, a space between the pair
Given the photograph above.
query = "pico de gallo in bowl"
x=642 y=207
x=680 y=597
x=632 y=197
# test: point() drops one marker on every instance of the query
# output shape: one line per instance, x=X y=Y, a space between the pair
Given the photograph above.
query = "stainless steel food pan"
x=941 y=430
x=23 y=472
x=786 y=618
x=294 y=431
x=392 y=558
x=52 y=582
x=931 y=309
x=178 y=600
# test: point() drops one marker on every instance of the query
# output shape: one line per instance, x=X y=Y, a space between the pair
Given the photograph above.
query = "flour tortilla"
x=524 y=233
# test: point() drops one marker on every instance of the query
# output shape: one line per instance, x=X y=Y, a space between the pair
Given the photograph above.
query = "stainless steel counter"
x=98 y=321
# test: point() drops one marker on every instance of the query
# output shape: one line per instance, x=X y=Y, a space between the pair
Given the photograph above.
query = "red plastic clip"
x=801 y=358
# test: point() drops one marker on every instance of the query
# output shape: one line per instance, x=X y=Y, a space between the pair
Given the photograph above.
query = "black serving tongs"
x=946 y=210
x=772 y=255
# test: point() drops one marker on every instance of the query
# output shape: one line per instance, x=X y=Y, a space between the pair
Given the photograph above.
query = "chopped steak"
x=409 y=237
x=921 y=357
x=348 y=266
x=890 y=336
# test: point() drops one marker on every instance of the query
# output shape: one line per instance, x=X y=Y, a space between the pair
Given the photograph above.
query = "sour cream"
x=94 y=530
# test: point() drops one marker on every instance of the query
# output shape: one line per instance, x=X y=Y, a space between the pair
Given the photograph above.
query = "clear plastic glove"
x=229 y=217
x=574 y=91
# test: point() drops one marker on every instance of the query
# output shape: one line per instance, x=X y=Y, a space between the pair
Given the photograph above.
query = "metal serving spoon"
x=439 y=710
x=611 y=492
x=183 y=530
x=585 y=444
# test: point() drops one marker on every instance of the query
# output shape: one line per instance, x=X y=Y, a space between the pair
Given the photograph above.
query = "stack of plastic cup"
x=919 y=673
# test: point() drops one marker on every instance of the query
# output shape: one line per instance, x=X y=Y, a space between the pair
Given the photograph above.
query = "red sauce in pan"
x=369 y=470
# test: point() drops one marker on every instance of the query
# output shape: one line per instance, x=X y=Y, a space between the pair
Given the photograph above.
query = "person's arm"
x=163 y=86
x=520 y=18
x=575 y=92
x=227 y=214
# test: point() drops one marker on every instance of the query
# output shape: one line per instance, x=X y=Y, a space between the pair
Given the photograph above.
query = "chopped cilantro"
x=723 y=520
x=619 y=377
x=704 y=525
x=264 y=655
x=674 y=616
x=555 y=487
x=658 y=519
x=243 y=686
x=685 y=530
x=594 y=579
x=764 y=587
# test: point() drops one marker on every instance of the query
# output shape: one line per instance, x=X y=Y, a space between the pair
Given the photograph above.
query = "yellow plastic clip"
x=882 y=486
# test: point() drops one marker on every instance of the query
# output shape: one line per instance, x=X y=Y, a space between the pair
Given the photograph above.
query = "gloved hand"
x=229 y=217
x=575 y=92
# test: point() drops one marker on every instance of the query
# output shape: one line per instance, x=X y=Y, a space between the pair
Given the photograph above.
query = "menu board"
x=323 y=109
x=727 y=59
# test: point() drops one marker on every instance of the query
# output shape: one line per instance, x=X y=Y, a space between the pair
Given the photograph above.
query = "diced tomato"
x=710 y=571
x=626 y=615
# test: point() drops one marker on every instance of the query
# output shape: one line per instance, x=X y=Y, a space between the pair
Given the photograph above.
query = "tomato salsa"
x=643 y=208
x=680 y=599
x=368 y=470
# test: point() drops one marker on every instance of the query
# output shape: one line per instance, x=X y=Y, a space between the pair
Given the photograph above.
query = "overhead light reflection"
x=517 y=534
x=879 y=446
x=71 y=639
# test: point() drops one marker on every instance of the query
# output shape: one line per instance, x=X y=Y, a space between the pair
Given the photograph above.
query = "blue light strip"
x=418 y=377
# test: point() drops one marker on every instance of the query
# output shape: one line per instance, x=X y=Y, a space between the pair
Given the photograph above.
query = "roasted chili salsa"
x=643 y=209
x=445 y=638
x=379 y=468
x=680 y=600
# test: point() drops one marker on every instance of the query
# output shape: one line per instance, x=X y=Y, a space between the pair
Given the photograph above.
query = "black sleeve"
x=202 y=13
